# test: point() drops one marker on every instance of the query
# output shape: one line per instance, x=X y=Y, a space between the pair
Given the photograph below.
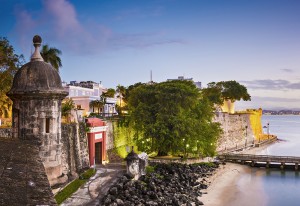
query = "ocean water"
x=273 y=187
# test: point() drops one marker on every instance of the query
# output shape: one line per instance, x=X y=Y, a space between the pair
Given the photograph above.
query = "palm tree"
x=98 y=104
x=66 y=108
x=121 y=90
x=51 y=55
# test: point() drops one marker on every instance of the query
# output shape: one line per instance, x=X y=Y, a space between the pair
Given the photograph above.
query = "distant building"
x=197 y=84
x=82 y=93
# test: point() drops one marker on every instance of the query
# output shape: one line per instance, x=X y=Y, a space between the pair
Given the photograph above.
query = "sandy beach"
x=230 y=181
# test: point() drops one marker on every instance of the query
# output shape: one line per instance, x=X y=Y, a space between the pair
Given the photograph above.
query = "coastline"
x=230 y=180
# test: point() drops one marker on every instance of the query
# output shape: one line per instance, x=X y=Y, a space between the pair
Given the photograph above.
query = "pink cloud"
x=58 y=21
x=24 y=26
x=64 y=16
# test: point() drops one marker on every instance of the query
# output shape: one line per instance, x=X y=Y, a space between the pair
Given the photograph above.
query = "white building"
x=82 y=93
x=197 y=84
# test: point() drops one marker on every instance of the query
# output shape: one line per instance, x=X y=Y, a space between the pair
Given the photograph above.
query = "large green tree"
x=172 y=117
x=51 y=55
x=9 y=65
x=218 y=92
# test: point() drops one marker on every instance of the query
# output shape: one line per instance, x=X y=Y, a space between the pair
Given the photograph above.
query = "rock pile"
x=169 y=184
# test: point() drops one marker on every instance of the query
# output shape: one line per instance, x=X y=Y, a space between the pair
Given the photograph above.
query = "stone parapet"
x=5 y=133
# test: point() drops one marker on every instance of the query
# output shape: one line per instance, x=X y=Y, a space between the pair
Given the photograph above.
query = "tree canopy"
x=109 y=93
x=66 y=108
x=51 y=55
x=217 y=92
x=172 y=117
x=9 y=65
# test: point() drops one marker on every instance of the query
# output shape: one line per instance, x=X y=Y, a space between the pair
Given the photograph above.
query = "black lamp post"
x=268 y=129
x=246 y=127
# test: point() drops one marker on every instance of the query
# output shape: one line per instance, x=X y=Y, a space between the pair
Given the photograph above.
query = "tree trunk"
x=162 y=153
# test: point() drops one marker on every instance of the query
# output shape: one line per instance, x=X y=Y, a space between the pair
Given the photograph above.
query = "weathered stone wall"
x=109 y=135
x=74 y=148
x=238 y=128
x=6 y=133
x=74 y=151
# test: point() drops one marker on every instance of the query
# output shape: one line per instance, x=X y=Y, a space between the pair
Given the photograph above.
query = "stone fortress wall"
x=74 y=151
x=75 y=155
x=239 y=128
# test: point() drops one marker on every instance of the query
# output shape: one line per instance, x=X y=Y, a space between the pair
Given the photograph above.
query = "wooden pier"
x=262 y=160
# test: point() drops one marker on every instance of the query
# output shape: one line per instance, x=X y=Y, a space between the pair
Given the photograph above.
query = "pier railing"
x=261 y=160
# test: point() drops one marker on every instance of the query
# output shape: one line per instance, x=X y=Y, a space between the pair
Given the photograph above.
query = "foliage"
x=5 y=106
x=209 y=164
x=128 y=90
x=88 y=174
x=149 y=169
x=172 y=117
x=73 y=186
x=51 y=55
x=66 y=108
x=97 y=104
x=109 y=93
x=121 y=91
x=225 y=90
x=122 y=138
x=9 y=65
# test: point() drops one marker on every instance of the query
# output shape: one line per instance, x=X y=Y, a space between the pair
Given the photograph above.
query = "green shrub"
x=149 y=169
x=209 y=164
x=88 y=174
x=73 y=186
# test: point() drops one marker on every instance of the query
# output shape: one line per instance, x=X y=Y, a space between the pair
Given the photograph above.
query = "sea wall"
x=239 y=128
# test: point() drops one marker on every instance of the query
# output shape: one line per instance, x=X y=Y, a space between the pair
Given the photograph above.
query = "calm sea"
x=274 y=187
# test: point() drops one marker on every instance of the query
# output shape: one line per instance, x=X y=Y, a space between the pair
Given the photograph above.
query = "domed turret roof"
x=37 y=77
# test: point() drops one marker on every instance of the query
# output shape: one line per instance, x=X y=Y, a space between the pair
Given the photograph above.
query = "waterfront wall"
x=239 y=128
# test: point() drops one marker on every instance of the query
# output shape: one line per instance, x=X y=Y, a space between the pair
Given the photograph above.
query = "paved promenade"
x=23 y=180
x=94 y=190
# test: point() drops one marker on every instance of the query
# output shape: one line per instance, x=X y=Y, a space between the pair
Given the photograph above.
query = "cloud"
x=24 y=25
x=138 y=13
x=57 y=21
x=142 y=40
x=288 y=70
x=268 y=84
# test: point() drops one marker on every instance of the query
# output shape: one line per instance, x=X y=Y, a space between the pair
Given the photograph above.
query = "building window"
x=47 y=126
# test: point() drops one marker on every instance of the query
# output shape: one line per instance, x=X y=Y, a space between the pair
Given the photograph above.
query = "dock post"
x=296 y=166
x=267 y=164
x=252 y=163
x=282 y=165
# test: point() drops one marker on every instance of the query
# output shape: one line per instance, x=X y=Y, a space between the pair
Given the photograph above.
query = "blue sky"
x=120 y=41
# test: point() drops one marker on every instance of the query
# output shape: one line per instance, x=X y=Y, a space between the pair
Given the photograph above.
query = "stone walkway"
x=23 y=180
x=94 y=190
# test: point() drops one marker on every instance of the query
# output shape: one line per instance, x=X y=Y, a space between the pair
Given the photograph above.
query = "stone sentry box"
x=37 y=93
x=136 y=164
